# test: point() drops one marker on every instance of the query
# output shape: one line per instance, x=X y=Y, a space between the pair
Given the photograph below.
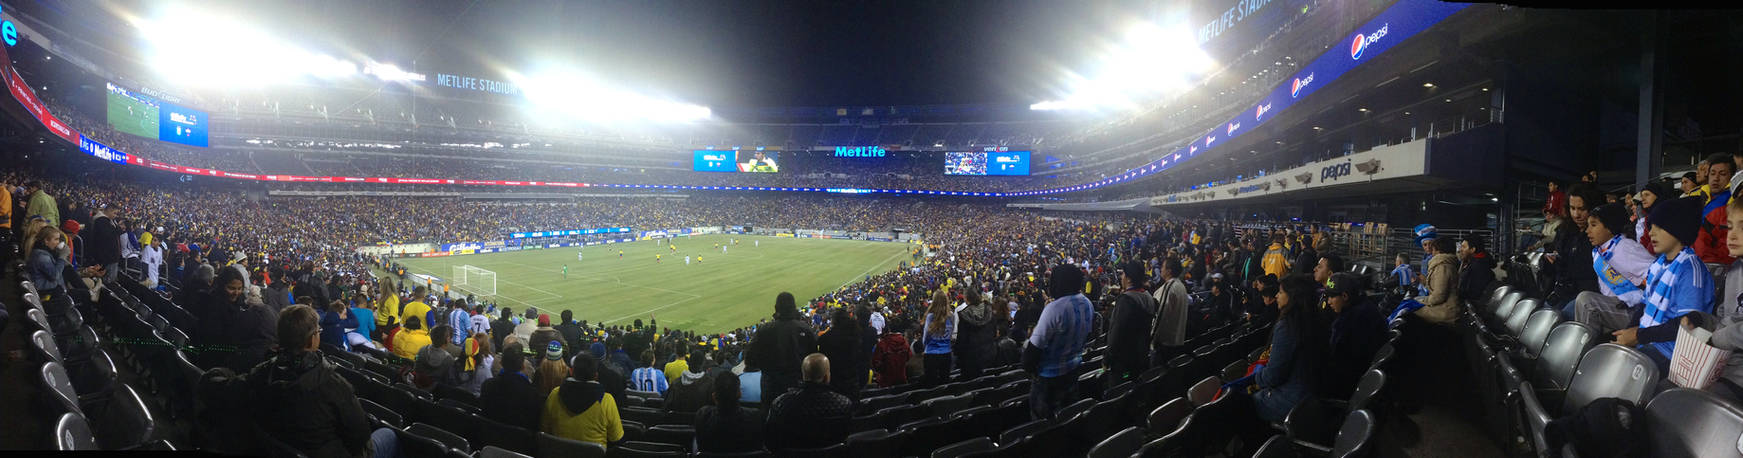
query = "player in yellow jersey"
x=698 y=259
x=656 y=257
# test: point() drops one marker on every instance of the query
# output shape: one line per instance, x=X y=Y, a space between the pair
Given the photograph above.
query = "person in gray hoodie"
x=976 y=337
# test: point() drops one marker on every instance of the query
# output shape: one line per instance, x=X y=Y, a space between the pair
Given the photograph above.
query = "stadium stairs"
x=115 y=374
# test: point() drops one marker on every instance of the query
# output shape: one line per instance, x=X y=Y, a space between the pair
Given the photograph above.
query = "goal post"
x=473 y=279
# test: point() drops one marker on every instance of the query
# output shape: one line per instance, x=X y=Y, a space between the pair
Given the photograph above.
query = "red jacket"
x=890 y=359
x=1710 y=243
x=1557 y=203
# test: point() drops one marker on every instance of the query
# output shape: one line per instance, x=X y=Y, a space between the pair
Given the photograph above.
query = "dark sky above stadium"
x=720 y=53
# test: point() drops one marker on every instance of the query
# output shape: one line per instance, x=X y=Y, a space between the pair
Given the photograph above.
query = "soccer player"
x=698 y=259
x=656 y=257
x=620 y=255
x=756 y=243
x=578 y=256
x=565 y=271
x=686 y=260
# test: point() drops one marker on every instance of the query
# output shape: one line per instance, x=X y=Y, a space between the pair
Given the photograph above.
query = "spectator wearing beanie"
x=1128 y=350
x=544 y=334
x=779 y=347
x=1676 y=284
x=1055 y=346
x=1357 y=332
x=551 y=370
x=1620 y=264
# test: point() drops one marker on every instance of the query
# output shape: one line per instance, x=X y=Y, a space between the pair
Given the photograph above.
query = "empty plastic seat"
x=1167 y=417
x=491 y=451
x=1561 y=354
x=1611 y=371
x=1536 y=331
x=1120 y=445
x=382 y=414
x=1515 y=322
x=557 y=447
x=828 y=451
x=958 y=449
x=126 y=420
x=638 y=449
x=1685 y=422
x=1204 y=391
x=681 y=435
x=447 y=438
x=1504 y=306
x=875 y=443
x=59 y=388
x=1356 y=437
x=71 y=432
x=945 y=407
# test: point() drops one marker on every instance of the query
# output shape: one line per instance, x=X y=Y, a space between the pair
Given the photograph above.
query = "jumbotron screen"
x=142 y=115
x=979 y=163
x=736 y=161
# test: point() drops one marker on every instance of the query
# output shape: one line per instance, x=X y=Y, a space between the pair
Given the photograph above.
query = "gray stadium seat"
x=1611 y=371
x=1536 y=331
x=71 y=433
x=1504 y=308
x=977 y=444
x=1120 y=445
x=126 y=421
x=1685 y=422
x=1515 y=322
x=1356 y=437
x=491 y=451
x=1561 y=354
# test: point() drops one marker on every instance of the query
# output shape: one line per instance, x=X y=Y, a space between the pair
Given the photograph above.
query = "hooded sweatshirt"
x=974 y=334
x=691 y=391
x=582 y=411
x=313 y=409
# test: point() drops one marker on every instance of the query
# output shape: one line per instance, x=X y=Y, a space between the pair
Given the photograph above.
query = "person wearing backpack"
x=1129 y=327
x=1168 y=327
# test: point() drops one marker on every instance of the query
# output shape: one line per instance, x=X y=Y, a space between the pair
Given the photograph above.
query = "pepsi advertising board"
x=181 y=124
x=715 y=161
x=1391 y=27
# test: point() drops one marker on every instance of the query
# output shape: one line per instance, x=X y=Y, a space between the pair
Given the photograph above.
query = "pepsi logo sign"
x=1261 y=111
x=1232 y=127
x=1362 y=42
x=1299 y=83
x=1209 y=140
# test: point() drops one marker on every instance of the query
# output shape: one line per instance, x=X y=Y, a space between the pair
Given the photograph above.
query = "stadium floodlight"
x=580 y=97
x=1148 y=61
x=231 y=53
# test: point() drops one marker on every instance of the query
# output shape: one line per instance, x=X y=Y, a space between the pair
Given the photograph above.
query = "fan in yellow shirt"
x=580 y=409
x=417 y=307
x=411 y=339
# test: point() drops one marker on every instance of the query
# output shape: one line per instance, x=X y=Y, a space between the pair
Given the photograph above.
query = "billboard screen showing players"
x=987 y=163
x=142 y=115
x=132 y=113
x=736 y=161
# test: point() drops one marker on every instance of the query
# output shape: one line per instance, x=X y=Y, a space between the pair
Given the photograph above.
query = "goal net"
x=474 y=280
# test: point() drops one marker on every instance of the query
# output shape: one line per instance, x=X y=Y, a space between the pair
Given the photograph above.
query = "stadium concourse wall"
x=431 y=250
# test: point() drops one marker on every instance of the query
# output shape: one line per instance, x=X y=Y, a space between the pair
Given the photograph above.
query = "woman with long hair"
x=478 y=363
x=938 y=333
x=48 y=261
x=552 y=370
x=1297 y=350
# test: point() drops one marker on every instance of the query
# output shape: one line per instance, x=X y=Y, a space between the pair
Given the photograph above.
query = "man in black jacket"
x=510 y=397
x=1357 y=332
x=572 y=333
x=1128 y=350
x=502 y=327
x=1476 y=267
x=104 y=244
x=811 y=416
x=780 y=345
x=313 y=409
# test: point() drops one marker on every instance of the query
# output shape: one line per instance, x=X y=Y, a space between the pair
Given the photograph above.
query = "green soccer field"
x=719 y=292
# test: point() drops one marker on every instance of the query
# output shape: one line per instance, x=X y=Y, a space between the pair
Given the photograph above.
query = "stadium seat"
x=72 y=433
x=1236 y=369
x=643 y=415
x=491 y=451
x=1536 y=331
x=125 y=421
x=1515 y=322
x=750 y=454
x=557 y=447
x=1561 y=354
x=947 y=406
x=60 y=396
x=680 y=435
x=1206 y=431
x=387 y=417
x=959 y=449
x=1167 y=417
x=1611 y=371
x=1685 y=422
x=1204 y=391
x=895 y=417
x=94 y=380
x=875 y=443
x=1073 y=409
x=1120 y=445
x=874 y=404
x=447 y=438
x=830 y=451
x=988 y=421
x=638 y=449
x=1503 y=307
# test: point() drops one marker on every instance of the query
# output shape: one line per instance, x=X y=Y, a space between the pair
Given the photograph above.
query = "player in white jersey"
x=686 y=260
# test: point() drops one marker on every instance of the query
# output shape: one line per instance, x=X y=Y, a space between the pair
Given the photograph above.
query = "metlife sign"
x=860 y=151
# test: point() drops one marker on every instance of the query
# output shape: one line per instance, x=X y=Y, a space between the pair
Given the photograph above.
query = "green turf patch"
x=715 y=292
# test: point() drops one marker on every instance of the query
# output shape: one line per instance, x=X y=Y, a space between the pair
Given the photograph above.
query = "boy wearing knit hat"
x=1676 y=284
x=1620 y=264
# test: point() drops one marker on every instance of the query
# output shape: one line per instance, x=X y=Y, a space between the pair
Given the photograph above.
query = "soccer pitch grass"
x=723 y=292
